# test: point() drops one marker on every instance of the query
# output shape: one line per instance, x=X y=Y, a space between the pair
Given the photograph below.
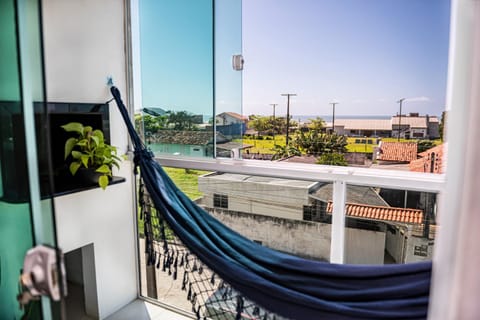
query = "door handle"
x=40 y=275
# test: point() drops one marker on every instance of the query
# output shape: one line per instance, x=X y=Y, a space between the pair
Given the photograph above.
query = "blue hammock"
x=290 y=286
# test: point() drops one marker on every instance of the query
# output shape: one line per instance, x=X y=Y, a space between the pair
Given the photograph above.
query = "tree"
x=259 y=123
x=150 y=124
x=315 y=143
x=283 y=152
x=267 y=125
x=424 y=145
x=443 y=121
x=181 y=120
x=316 y=124
x=332 y=159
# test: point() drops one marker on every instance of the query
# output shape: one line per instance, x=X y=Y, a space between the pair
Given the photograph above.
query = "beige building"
x=411 y=126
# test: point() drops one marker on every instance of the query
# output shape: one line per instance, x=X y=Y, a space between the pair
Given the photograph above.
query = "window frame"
x=220 y=201
x=463 y=55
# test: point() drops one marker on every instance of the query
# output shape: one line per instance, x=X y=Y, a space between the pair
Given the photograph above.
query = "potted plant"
x=89 y=155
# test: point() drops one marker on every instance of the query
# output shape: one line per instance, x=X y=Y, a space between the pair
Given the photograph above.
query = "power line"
x=333 y=118
x=400 y=118
x=274 y=105
x=288 y=95
x=273 y=122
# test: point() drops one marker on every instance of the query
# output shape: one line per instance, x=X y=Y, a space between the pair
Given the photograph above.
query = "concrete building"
x=411 y=126
x=363 y=127
x=295 y=216
x=231 y=124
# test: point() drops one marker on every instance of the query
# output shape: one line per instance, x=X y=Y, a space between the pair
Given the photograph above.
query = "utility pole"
x=400 y=118
x=333 y=117
x=288 y=95
x=273 y=122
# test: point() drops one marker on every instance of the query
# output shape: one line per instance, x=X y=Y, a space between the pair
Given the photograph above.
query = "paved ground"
x=169 y=291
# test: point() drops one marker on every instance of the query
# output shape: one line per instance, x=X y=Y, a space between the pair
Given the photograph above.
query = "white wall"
x=84 y=44
x=364 y=246
x=304 y=238
x=106 y=220
x=414 y=249
x=263 y=207
x=394 y=244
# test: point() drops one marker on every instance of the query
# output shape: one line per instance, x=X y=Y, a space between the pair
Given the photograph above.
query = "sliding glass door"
x=26 y=211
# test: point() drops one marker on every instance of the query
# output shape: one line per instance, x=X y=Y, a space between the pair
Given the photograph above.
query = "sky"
x=364 y=54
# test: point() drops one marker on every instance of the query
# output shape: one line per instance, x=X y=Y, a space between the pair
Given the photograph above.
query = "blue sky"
x=365 y=54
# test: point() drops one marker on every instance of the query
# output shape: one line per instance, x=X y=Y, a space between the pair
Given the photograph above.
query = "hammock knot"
x=140 y=154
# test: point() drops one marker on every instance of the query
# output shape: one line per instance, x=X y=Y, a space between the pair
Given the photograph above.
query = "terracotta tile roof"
x=413 y=216
x=398 y=151
x=424 y=164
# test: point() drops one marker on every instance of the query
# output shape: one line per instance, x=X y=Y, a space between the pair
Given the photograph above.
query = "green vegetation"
x=332 y=159
x=267 y=125
x=171 y=120
x=364 y=145
x=88 y=150
x=264 y=146
x=313 y=142
x=443 y=121
x=282 y=152
x=187 y=181
x=424 y=145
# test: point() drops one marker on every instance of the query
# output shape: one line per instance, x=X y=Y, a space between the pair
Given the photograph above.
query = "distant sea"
x=328 y=118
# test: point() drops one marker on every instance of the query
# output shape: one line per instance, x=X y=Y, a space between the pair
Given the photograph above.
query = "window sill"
x=70 y=187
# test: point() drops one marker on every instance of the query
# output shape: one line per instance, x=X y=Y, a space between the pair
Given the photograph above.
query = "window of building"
x=220 y=201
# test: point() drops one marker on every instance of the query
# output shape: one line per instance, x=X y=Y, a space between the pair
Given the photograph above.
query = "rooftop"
x=413 y=216
x=414 y=122
x=234 y=177
x=233 y=115
x=398 y=151
x=355 y=194
x=363 y=124
x=424 y=163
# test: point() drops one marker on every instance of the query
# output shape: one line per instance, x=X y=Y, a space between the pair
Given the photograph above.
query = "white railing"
x=339 y=176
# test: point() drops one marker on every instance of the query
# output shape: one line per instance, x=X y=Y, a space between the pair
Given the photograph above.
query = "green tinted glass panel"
x=25 y=217
x=176 y=52
x=230 y=124
x=15 y=224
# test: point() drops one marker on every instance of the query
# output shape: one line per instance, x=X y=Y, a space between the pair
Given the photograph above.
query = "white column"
x=337 y=246
x=456 y=281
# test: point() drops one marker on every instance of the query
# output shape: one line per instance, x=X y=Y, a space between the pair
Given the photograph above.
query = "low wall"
x=304 y=238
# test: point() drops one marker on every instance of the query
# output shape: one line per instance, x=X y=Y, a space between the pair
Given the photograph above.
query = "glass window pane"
x=385 y=226
x=176 y=45
x=26 y=218
x=361 y=68
x=283 y=214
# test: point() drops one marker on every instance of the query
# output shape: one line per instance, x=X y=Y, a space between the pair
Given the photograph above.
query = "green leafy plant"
x=89 y=150
x=332 y=159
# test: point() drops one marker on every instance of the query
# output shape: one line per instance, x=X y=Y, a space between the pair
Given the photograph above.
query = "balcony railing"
x=348 y=237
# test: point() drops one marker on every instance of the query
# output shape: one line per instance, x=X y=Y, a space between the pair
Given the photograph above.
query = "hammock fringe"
x=283 y=286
